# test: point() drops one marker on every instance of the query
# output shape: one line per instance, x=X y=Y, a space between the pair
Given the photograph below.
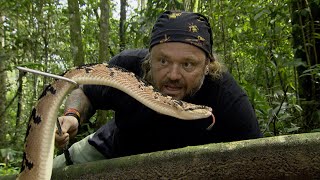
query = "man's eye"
x=163 y=61
x=188 y=65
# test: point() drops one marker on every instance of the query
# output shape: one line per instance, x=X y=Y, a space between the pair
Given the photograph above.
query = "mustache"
x=177 y=83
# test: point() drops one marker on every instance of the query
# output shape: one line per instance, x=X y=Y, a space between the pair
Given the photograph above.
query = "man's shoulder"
x=222 y=80
x=225 y=84
x=134 y=52
x=130 y=60
x=129 y=55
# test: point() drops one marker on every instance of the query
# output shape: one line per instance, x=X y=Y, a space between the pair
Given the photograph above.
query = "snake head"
x=203 y=111
x=194 y=111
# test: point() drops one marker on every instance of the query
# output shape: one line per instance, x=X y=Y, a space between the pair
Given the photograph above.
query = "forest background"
x=270 y=46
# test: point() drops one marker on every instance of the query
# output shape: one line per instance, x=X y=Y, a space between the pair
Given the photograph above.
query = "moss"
x=293 y=156
x=280 y=157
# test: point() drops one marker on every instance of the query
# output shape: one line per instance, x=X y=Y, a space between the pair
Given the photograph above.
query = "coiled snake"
x=39 y=141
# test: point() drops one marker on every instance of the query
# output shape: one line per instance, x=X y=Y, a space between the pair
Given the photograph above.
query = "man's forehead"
x=176 y=49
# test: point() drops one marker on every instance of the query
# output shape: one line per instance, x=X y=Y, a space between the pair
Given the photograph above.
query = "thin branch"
x=9 y=104
x=274 y=117
x=306 y=49
x=313 y=33
x=21 y=75
x=303 y=36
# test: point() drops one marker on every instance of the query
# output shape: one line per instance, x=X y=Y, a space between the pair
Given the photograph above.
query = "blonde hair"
x=216 y=68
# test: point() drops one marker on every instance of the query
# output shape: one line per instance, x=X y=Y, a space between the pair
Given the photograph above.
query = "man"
x=179 y=63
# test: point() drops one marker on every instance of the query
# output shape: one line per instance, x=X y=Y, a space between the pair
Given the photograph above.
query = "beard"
x=195 y=89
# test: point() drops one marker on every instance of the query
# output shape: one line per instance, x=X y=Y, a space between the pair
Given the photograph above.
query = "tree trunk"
x=104 y=31
x=122 y=29
x=75 y=33
x=191 y=5
x=19 y=109
x=280 y=157
x=102 y=116
x=141 y=4
x=305 y=20
x=3 y=88
x=46 y=47
x=34 y=46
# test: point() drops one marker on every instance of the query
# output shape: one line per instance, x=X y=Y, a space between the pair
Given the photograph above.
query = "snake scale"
x=39 y=140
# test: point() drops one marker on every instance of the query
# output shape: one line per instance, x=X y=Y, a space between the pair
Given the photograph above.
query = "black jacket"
x=137 y=129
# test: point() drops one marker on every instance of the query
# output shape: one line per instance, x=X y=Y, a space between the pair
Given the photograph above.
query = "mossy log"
x=280 y=157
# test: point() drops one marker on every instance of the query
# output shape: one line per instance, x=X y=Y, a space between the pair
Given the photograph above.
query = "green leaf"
x=32 y=65
x=289 y=130
x=295 y=63
x=261 y=13
x=315 y=130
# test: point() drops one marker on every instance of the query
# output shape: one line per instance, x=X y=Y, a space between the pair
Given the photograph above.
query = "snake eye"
x=180 y=103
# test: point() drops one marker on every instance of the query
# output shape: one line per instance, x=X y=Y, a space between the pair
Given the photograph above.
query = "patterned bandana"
x=185 y=27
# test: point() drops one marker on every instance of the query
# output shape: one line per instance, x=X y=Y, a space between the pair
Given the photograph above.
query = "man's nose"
x=174 y=73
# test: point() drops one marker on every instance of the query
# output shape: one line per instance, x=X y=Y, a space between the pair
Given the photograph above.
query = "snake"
x=39 y=140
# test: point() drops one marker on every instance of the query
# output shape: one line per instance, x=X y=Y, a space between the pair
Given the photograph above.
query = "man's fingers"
x=60 y=138
x=64 y=125
x=64 y=143
x=61 y=141
x=69 y=125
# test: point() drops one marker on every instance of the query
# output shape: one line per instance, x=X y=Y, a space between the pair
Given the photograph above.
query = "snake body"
x=39 y=141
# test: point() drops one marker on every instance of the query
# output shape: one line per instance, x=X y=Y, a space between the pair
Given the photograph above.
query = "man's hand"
x=69 y=126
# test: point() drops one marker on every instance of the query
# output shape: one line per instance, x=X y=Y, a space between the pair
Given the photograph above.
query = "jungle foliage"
x=270 y=46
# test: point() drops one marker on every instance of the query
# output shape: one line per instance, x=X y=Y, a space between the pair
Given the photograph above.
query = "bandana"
x=185 y=27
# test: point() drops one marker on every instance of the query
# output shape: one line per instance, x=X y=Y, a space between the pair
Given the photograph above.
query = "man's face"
x=177 y=69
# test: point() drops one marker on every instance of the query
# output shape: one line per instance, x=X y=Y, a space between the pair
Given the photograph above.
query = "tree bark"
x=122 y=30
x=141 y=4
x=75 y=33
x=104 y=31
x=19 y=109
x=3 y=88
x=280 y=157
x=102 y=116
x=46 y=46
x=191 y=5
x=35 y=30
